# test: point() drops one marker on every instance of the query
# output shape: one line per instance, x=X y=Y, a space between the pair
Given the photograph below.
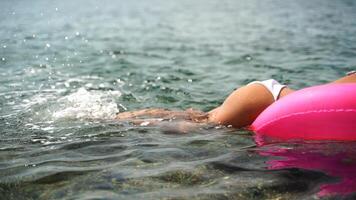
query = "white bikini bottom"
x=275 y=87
x=272 y=85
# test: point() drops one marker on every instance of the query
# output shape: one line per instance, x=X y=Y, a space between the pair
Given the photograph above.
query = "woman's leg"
x=347 y=79
x=189 y=114
x=154 y=112
x=239 y=109
x=243 y=105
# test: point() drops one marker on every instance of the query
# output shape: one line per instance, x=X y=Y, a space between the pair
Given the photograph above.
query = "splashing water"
x=84 y=104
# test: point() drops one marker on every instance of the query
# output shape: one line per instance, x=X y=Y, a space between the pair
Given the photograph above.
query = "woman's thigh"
x=242 y=106
x=347 y=79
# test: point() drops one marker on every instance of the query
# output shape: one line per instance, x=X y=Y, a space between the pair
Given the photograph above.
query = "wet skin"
x=239 y=109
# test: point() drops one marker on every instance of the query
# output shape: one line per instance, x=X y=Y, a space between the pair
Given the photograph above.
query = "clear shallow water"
x=66 y=69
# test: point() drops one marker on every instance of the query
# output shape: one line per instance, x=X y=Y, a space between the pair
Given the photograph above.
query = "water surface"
x=67 y=67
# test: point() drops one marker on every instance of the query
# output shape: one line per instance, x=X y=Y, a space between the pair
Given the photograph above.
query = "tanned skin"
x=239 y=109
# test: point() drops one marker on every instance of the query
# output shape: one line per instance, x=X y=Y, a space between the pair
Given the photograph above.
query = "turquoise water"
x=67 y=67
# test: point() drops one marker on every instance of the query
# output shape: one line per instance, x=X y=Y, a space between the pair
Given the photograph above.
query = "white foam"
x=84 y=104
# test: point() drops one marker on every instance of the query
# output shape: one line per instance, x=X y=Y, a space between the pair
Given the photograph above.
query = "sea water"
x=68 y=67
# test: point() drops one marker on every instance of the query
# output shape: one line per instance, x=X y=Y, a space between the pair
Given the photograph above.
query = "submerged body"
x=238 y=110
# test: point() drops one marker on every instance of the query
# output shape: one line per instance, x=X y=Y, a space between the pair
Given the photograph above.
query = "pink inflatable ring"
x=326 y=112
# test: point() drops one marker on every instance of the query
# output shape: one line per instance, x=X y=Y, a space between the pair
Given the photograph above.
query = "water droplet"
x=190 y=80
x=248 y=57
x=13 y=13
x=56 y=9
x=66 y=38
x=77 y=33
x=113 y=56
x=47 y=58
x=41 y=14
x=3 y=59
x=89 y=85
x=86 y=41
x=144 y=123
x=48 y=45
x=4 y=46
x=122 y=106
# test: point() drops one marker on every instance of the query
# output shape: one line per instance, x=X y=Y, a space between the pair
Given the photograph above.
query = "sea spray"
x=84 y=104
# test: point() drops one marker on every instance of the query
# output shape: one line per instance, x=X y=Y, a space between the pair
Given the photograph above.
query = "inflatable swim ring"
x=326 y=112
